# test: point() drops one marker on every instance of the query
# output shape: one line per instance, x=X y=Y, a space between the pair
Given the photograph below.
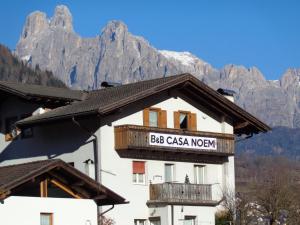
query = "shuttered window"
x=138 y=167
x=138 y=172
x=185 y=120
x=155 y=117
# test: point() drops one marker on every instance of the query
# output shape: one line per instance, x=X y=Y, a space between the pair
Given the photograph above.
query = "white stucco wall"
x=117 y=172
x=70 y=145
x=26 y=211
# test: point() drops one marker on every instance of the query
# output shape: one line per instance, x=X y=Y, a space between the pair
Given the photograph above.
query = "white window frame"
x=193 y=218
x=140 y=221
x=135 y=178
x=172 y=172
x=197 y=170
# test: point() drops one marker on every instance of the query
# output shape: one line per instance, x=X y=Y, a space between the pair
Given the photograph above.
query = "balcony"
x=181 y=194
x=133 y=141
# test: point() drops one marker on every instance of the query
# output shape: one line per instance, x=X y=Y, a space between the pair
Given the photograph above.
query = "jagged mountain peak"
x=35 y=23
x=291 y=77
x=62 y=18
x=114 y=25
x=117 y=55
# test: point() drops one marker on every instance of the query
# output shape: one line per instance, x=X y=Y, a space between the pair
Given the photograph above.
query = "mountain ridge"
x=117 y=55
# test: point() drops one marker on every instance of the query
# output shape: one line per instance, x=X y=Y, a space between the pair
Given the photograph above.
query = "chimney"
x=107 y=84
x=229 y=94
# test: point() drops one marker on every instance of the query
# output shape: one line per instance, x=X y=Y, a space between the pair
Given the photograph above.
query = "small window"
x=169 y=172
x=138 y=172
x=46 y=219
x=199 y=171
x=154 y=220
x=26 y=132
x=139 y=222
x=155 y=117
x=189 y=220
x=185 y=120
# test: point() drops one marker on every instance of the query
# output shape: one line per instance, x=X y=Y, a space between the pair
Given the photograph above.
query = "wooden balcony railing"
x=131 y=137
x=181 y=194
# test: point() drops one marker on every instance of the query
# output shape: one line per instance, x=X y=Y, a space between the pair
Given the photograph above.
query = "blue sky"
x=261 y=33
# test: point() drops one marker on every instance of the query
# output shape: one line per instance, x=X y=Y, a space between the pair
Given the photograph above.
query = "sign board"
x=182 y=141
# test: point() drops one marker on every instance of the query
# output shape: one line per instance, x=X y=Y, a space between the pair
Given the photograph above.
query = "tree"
x=103 y=220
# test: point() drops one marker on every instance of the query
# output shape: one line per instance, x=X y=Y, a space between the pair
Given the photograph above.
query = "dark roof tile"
x=32 y=90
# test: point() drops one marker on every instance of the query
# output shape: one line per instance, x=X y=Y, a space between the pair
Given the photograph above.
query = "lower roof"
x=14 y=176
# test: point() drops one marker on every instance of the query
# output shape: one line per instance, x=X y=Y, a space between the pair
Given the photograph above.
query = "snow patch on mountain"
x=186 y=58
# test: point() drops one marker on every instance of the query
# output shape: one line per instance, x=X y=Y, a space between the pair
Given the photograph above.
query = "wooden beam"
x=44 y=188
x=241 y=125
x=65 y=188
x=4 y=195
x=100 y=197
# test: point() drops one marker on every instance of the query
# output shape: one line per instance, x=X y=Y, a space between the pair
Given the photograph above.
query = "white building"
x=50 y=192
x=166 y=145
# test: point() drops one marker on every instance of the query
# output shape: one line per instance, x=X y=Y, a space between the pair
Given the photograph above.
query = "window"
x=27 y=132
x=189 y=220
x=10 y=131
x=185 y=120
x=155 y=117
x=46 y=219
x=169 y=172
x=138 y=172
x=154 y=220
x=199 y=171
x=139 y=222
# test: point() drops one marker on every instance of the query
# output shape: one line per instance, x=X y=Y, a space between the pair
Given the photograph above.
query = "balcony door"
x=200 y=174
x=169 y=172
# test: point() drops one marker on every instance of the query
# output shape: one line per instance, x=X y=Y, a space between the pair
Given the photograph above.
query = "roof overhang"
x=64 y=174
x=186 y=85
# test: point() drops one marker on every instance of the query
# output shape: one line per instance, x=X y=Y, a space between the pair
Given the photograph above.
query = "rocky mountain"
x=117 y=55
x=12 y=69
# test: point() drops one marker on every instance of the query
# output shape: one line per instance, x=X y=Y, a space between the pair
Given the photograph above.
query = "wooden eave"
x=67 y=176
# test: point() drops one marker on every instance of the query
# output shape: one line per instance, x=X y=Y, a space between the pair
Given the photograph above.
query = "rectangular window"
x=169 y=172
x=46 y=219
x=138 y=172
x=155 y=117
x=189 y=220
x=154 y=220
x=139 y=222
x=199 y=171
x=26 y=132
x=185 y=120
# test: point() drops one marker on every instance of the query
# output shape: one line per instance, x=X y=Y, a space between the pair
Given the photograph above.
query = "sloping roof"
x=106 y=100
x=38 y=91
x=14 y=176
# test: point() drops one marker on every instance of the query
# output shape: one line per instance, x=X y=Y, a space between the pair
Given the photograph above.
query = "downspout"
x=95 y=144
x=113 y=206
x=172 y=214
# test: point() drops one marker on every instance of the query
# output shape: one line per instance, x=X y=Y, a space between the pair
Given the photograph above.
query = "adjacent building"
x=166 y=145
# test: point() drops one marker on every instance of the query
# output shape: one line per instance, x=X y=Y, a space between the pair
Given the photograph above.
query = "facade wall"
x=26 y=211
x=119 y=178
x=71 y=144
